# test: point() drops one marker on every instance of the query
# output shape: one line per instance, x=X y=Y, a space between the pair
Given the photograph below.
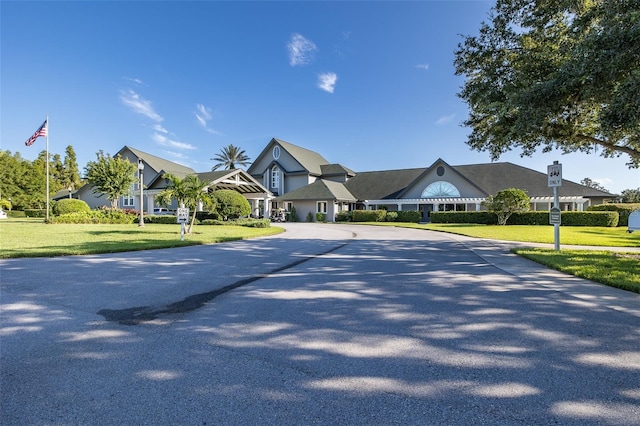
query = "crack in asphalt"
x=141 y=314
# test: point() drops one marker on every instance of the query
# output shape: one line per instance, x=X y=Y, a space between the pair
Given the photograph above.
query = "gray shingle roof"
x=381 y=184
x=494 y=177
x=320 y=190
x=310 y=160
x=160 y=164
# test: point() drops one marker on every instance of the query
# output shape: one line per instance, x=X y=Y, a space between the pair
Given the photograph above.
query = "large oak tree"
x=554 y=74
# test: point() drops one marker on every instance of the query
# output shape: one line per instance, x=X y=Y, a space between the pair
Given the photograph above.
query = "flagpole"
x=47 y=159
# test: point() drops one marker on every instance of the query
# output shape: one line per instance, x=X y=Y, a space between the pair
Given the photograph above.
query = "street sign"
x=182 y=215
x=554 y=174
x=555 y=217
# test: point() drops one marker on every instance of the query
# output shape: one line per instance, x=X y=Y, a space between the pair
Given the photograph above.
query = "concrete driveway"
x=324 y=324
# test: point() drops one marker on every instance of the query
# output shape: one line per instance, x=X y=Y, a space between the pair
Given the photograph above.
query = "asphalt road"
x=324 y=324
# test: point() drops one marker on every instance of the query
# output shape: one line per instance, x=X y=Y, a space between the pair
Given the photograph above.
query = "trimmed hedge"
x=623 y=209
x=35 y=212
x=410 y=216
x=248 y=222
x=165 y=219
x=569 y=218
x=368 y=215
x=343 y=216
x=95 y=217
x=70 y=205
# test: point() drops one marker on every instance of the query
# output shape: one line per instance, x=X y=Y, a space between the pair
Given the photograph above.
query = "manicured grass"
x=620 y=270
x=33 y=238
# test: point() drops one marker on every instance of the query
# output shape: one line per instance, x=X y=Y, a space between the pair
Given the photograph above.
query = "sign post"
x=182 y=217
x=554 y=175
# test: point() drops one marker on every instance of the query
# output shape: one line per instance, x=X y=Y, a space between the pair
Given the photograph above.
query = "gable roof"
x=494 y=177
x=336 y=170
x=320 y=190
x=160 y=165
x=236 y=179
x=310 y=160
x=381 y=184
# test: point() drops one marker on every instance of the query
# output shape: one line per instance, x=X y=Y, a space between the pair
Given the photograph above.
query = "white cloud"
x=423 y=66
x=445 y=119
x=165 y=141
x=203 y=115
x=327 y=81
x=139 y=105
x=159 y=128
x=301 y=50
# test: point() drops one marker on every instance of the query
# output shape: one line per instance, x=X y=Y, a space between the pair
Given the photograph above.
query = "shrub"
x=70 y=205
x=368 y=215
x=391 y=217
x=609 y=219
x=507 y=202
x=343 y=216
x=248 y=222
x=321 y=217
x=409 y=216
x=293 y=215
x=623 y=209
x=35 y=212
x=166 y=219
x=104 y=216
x=231 y=204
x=480 y=217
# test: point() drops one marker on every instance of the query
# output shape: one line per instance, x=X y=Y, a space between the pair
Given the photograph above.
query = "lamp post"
x=140 y=170
x=70 y=189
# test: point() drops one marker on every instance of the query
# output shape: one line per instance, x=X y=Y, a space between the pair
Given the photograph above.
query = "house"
x=153 y=170
x=307 y=181
x=285 y=175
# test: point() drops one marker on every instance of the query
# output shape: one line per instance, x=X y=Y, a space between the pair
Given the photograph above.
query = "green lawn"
x=33 y=238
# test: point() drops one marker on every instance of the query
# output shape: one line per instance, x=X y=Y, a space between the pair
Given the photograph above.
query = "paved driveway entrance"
x=325 y=324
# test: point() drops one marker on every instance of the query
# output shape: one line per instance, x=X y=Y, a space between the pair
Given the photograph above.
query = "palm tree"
x=230 y=157
x=189 y=192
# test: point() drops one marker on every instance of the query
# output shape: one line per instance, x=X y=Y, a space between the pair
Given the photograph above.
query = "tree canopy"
x=230 y=157
x=110 y=176
x=554 y=74
x=507 y=202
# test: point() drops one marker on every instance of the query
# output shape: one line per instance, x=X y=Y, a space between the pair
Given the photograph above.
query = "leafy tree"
x=554 y=74
x=111 y=176
x=630 y=196
x=70 y=177
x=230 y=157
x=592 y=184
x=189 y=192
x=507 y=202
x=231 y=204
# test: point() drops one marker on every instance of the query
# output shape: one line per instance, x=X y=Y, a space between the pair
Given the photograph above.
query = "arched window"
x=275 y=177
x=440 y=189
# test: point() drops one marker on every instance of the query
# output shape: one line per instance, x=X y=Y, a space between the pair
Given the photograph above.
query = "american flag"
x=42 y=131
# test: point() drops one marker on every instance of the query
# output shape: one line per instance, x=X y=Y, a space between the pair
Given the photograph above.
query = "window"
x=127 y=201
x=275 y=177
x=276 y=152
x=322 y=207
x=440 y=189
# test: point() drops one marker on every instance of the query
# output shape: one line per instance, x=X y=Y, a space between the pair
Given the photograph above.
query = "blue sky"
x=367 y=84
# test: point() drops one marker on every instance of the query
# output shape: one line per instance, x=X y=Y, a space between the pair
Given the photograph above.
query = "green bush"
x=539 y=217
x=321 y=217
x=309 y=217
x=166 y=219
x=35 y=212
x=293 y=215
x=481 y=217
x=623 y=209
x=70 y=205
x=368 y=215
x=391 y=217
x=231 y=204
x=343 y=216
x=409 y=216
x=248 y=222
x=104 y=216
x=608 y=219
